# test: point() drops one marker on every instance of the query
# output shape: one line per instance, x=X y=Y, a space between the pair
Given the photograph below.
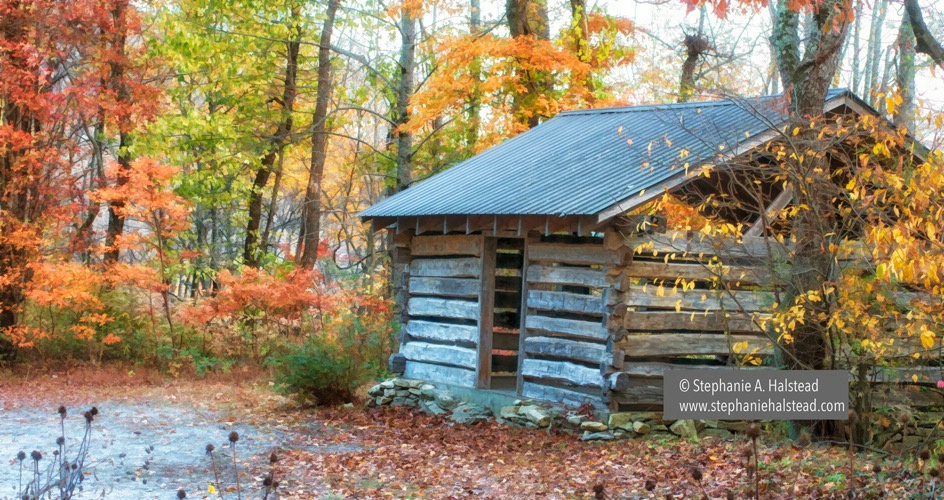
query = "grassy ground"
x=397 y=453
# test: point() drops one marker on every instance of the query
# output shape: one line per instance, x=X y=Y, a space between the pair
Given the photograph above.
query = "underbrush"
x=322 y=338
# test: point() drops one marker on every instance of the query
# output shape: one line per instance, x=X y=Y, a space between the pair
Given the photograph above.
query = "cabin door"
x=502 y=280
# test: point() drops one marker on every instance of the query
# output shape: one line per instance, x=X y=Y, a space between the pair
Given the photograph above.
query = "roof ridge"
x=691 y=104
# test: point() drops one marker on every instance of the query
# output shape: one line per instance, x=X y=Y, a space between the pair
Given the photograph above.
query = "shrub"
x=327 y=368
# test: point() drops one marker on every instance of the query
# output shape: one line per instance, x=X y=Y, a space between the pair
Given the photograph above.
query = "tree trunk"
x=116 y=76
x=807 y=82
x=695 y=47
x=308 y=256
x=405 y=88
x=251 y=250
x=925 y=42
x=472 y=131
x=905 y=76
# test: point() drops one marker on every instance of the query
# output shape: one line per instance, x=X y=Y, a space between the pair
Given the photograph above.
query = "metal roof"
x=584 y=161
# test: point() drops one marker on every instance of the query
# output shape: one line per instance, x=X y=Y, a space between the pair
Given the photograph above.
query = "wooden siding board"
x=443 y=308
x=439 y=373
x=465 y=267
x=442 y=332
x=441 y=354
x=428 y=246
x=570 y=327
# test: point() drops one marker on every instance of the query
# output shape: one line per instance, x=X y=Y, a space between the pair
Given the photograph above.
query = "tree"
x=311 y=219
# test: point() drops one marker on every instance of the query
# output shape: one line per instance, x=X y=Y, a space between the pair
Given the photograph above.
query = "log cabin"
x=530 y=269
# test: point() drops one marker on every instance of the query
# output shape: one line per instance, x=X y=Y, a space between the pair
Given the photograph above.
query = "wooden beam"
x=439 y=373
x=442 y=332
x=445 y=287
x=486 y=316
x=523 y=333
x=431 y=246
x=776 y=206
x=563 y=371
x=686 y=344
x=565 y=301
x=466 y=267
x=463 y=357
x=443 y=308
x=569 y=327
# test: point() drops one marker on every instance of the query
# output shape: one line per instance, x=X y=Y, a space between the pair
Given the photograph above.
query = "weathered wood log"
x=486 y=314
x=669 y=272
x=564 y=348
x=566 y=276
x=442 y=332
x=657 y=370
x=573 y=254
x=440 y=373
x=397 y=363
x=441 y=354
x=534 y=390
x=699 y=300
x=635 y=394
x=698 y=321
x=684 y=344
x=466 y=267
x=618 y=381
x=443 y=308
x=461 y=244
x=698 y=244
x=562 y=371
x=571 y=327
x=564 y=301
x=447 y=287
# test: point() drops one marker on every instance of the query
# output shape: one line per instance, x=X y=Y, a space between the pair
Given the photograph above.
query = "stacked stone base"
x=537 y=415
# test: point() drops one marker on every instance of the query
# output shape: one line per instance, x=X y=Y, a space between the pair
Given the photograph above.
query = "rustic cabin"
x=529 y=270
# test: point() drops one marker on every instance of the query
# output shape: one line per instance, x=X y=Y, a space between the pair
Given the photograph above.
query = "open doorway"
x=503 y=265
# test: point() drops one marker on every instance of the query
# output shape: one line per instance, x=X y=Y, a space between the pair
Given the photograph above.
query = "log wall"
x=567 y=350
x=684 y=301
x=440 y=287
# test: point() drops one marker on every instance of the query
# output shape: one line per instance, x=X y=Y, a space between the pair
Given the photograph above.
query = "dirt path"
x=148 y=440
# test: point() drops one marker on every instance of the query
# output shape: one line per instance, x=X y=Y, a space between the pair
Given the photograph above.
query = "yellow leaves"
x=796 y=131
x=927 y=337
x=739 y=347
x=211 y=489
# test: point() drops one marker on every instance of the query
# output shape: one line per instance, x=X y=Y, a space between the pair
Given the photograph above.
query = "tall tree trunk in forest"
x=528 y=18
x=251 y=250
x=311 y=227
x=116 y=83
x=405 y=89
x=472 y=131
x=807 y=81
x=874 y=59
x=905 y=76
x=16 y=173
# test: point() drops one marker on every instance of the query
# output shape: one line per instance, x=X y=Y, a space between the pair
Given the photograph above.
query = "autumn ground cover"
x=396 y=453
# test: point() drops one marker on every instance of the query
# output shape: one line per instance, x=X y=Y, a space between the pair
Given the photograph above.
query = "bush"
x=322 y=371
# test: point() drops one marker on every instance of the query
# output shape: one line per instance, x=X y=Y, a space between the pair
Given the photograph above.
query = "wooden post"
x=522 y=328
x=483 y=370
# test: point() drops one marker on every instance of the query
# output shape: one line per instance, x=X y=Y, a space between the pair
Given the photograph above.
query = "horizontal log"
x=459 y=244
x=443 y=332
x=573 y=254
x=439 y=373
x=562 y=371
x=466 y=267
x=447 y=287
x=685 y=344
x=533 y=390
x=576 y=276
x=659 y=270
x=571 y=327
x=657 y=370
x=443 y=308
x=698 y=244
x=653 y=321
x=618 y=381
x=639 y=394
x=699 y=300
x=564 y=301
x=442 y=354
x=564 y=348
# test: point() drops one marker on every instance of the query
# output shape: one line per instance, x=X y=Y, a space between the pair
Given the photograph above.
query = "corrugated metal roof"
x=582 y=162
